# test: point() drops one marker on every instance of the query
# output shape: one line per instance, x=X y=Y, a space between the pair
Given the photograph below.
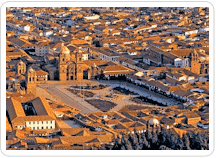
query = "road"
x=69 y=99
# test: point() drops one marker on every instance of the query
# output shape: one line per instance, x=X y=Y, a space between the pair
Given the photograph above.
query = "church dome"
x=154 y=122
x=63 y=49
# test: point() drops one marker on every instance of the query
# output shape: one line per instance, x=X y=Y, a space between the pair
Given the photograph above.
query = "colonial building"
x=35 y=114
x=71 y=64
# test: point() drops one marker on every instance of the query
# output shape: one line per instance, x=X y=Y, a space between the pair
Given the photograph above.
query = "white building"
x=43 y=117
x=45 y=122
x=178 y=62
x=185 y=62
x=85 y=56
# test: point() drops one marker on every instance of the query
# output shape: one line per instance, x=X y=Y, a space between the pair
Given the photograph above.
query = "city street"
x=69 y=98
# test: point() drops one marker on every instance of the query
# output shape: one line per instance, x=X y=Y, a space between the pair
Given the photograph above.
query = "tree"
x=191 y=136
x=128 y=145
x=180 y=143
x=163 y=136
x=148 y=135
x=117 y=145
x=145 y=142
x=134 y=141
x=123 y=147
x=163 y=147
x=186 y=142
x=198 y=142
x=154 y=142
x=173 y=141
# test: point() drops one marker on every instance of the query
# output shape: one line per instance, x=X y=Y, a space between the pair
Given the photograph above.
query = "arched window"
x=63 y=59
x=30 y=79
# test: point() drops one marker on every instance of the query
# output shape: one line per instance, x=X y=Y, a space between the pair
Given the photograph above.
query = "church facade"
x=71 y=65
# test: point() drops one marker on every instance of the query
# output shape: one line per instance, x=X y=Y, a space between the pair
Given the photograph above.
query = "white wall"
x=178 y=62
x=85 y=57
x=34 y=125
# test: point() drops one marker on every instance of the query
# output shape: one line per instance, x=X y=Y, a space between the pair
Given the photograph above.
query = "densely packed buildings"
x=163 y=50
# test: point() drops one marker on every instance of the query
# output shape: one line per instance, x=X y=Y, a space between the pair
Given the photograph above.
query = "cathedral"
x=71 y=65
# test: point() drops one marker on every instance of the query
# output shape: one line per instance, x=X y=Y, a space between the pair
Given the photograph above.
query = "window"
x=33 y=122
x=42 y=127
x=38 y=122
x=47 y=122
x=37 y=127
x=79 y=59
x=50 y=127
x=50 y=121
x=46 y=127
x=63 y=59
x=29 y=122
x=42 y=122
x=33 y=128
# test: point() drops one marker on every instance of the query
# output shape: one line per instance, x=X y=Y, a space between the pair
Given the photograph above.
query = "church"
x=71 y=65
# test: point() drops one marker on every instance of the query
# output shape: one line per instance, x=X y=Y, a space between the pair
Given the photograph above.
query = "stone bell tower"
x=21 y=67
x=63 y=59
x=79 y=64
x=195 y=64
x=31 y=79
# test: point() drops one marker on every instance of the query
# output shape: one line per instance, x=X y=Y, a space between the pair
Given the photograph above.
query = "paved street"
x=69 y=98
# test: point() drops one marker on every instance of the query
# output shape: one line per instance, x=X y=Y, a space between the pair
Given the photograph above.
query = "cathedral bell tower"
x=79 y=64
x=31 y=79
x=195 y=64
x=21 y=67
x=63 y=58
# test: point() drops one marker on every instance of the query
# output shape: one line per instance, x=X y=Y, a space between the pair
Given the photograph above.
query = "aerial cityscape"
x=107 y=78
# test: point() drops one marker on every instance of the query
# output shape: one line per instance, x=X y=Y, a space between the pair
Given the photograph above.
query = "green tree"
x=180 y=143
x=186 y=142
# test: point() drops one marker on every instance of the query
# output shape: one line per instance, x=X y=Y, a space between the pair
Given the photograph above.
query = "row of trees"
x=160 y=139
